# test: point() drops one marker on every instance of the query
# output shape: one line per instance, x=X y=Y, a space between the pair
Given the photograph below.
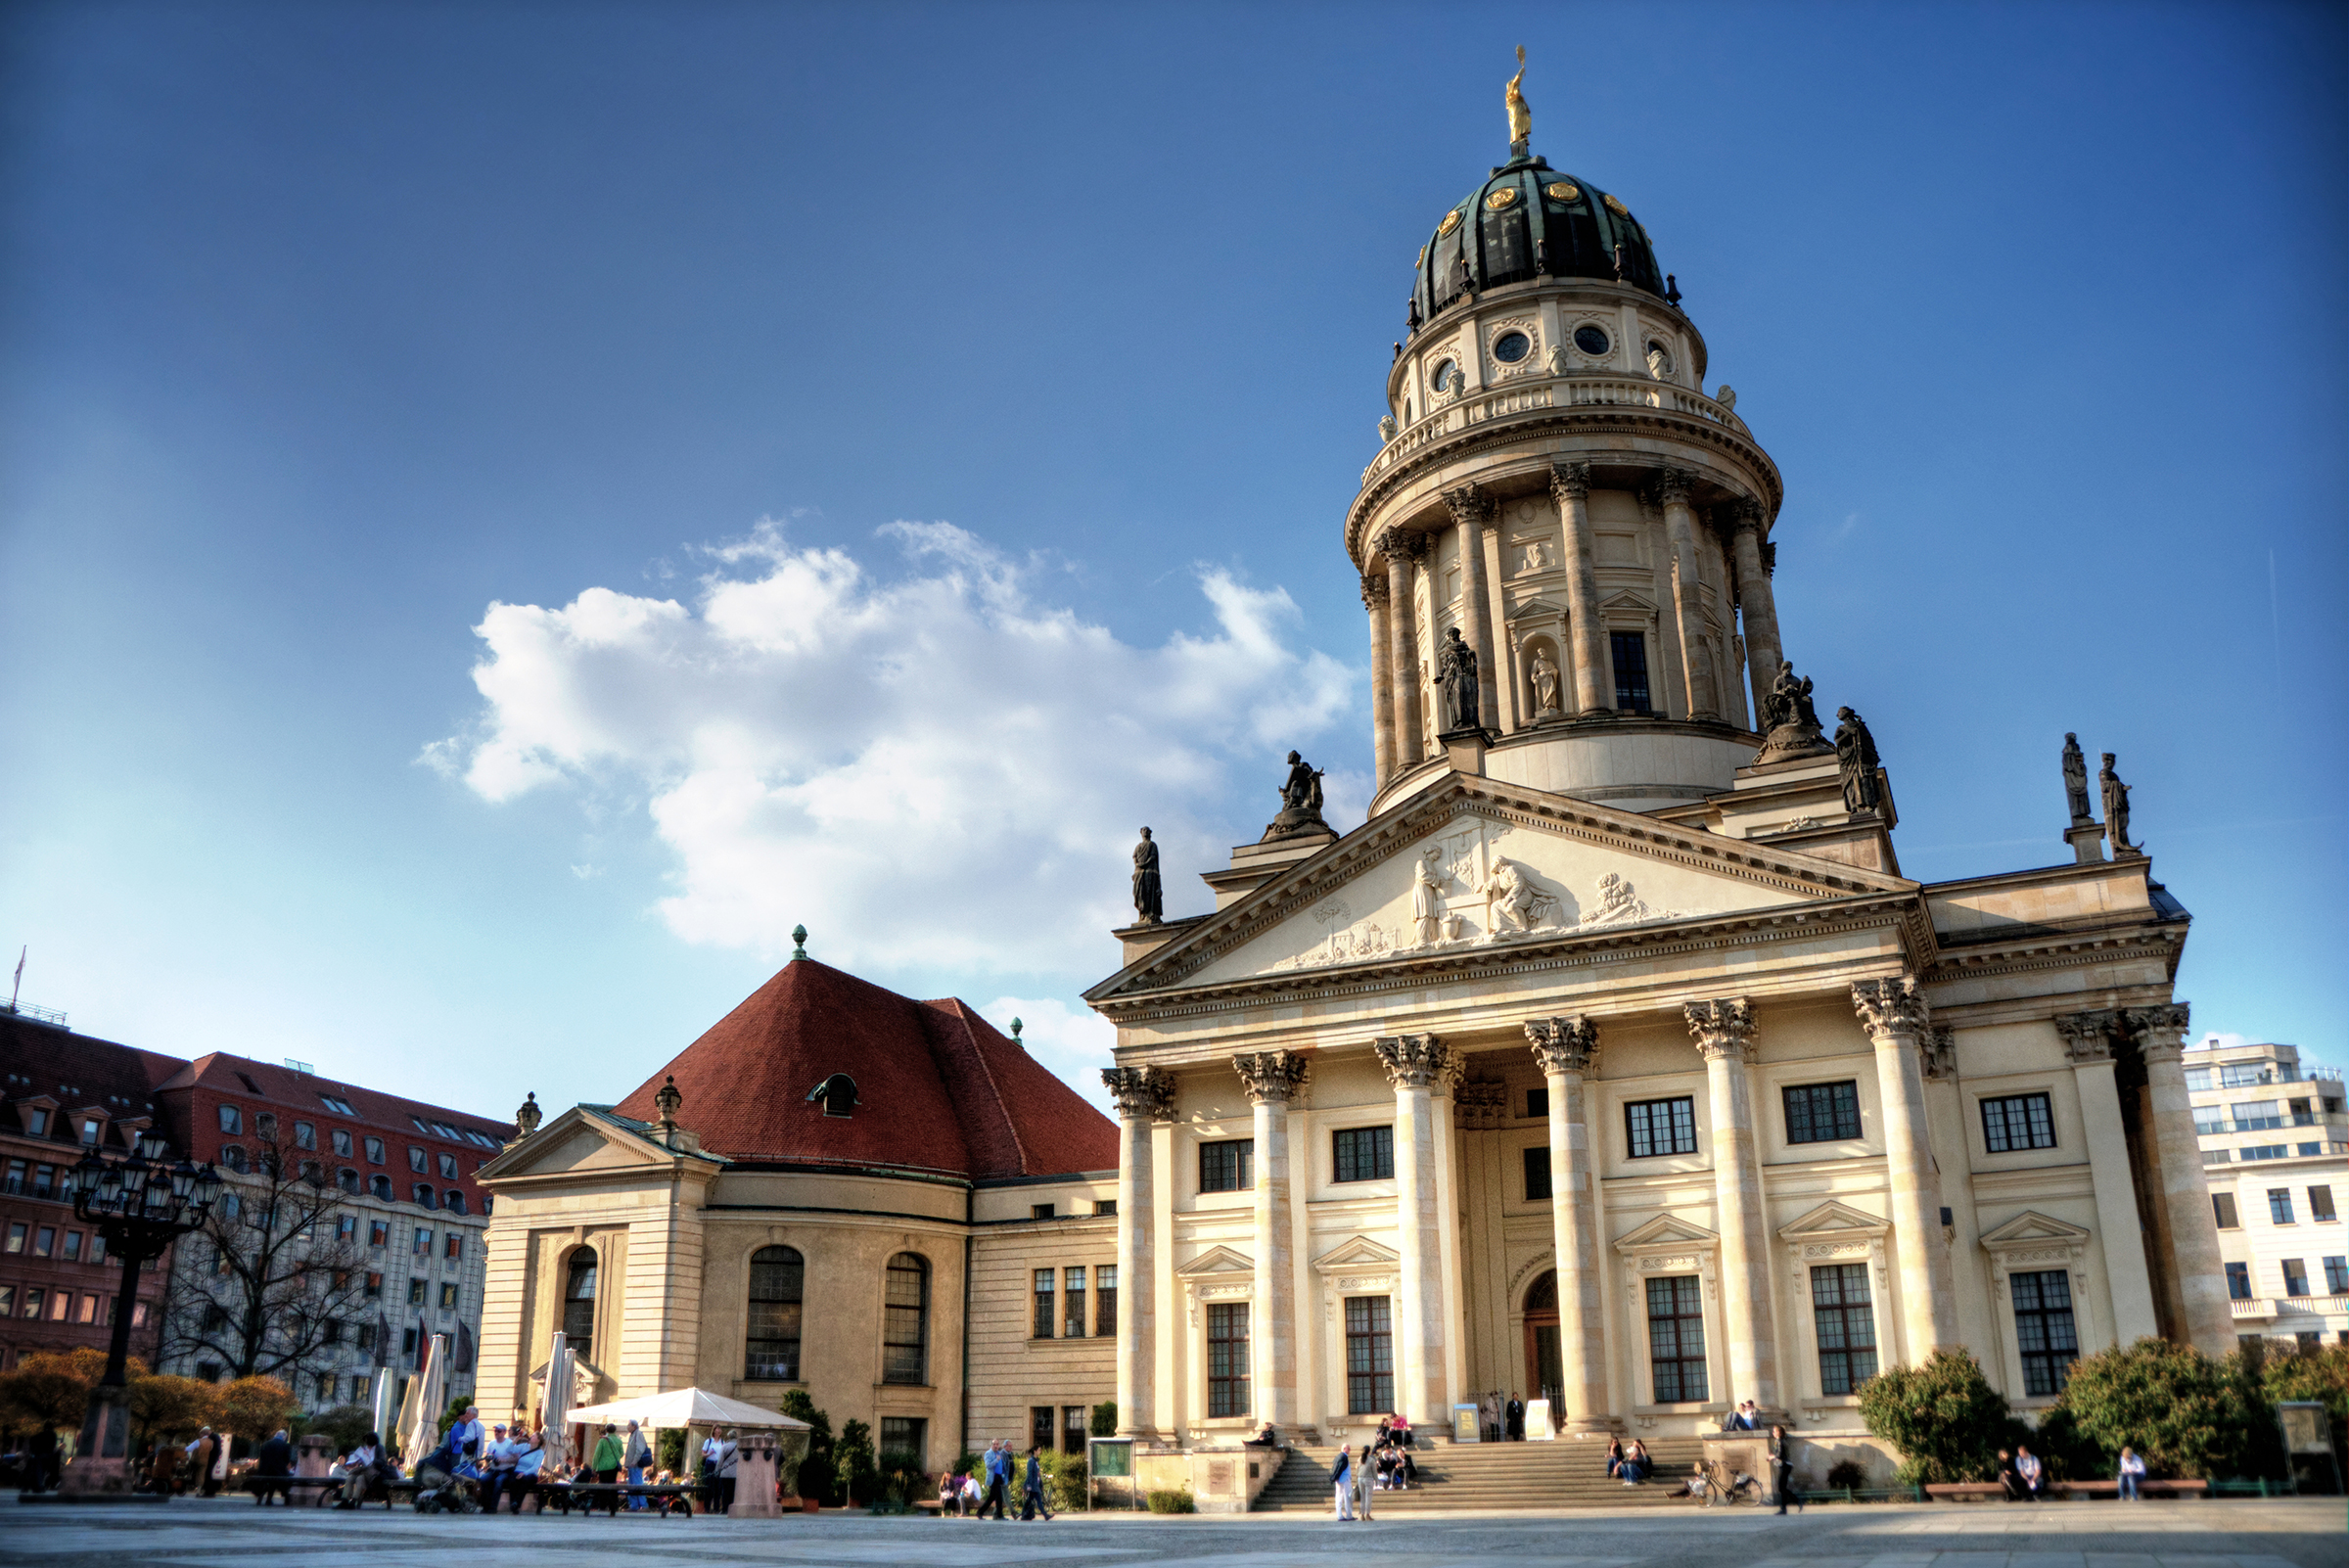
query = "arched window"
x=839 y=1094
x=425 y=1198
x=579 y=1304
x=1545 y=1366
x=265 y=1125
x=905 y=1321
x=778 y=1280
x=233 y=1157
x=380 y=1186
x=454 y=1202
x=347 y=1179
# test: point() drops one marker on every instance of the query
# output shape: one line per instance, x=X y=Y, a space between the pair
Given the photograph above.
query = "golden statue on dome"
x=1521 y=118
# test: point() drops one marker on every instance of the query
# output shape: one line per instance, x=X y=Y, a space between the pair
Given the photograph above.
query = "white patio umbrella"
x=387 y=1411
x=686 y=1406
x=427 y=1394
x=555 y=1414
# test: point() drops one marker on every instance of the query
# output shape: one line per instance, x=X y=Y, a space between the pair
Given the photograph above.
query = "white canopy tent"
x=685 y=1406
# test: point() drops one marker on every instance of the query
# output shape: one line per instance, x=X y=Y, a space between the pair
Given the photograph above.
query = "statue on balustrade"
x=1300 y=801
x=1456 y=676
x=2116 y=811
x=1546 y=684
x=2075 y=782
x=1857 y=762
x=1149 y=907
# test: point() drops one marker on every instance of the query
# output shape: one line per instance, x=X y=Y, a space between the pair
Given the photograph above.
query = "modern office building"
x=2275 y=1135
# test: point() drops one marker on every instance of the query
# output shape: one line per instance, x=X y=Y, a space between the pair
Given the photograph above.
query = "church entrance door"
x=1544 y=1366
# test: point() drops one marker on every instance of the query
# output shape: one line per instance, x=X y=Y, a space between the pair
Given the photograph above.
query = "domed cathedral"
x=1612 y=1063
x=826 y=1191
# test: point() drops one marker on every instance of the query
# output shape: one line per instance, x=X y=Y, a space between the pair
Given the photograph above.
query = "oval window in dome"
x=1451 y=222
x=1511 y=347
x=1592 y=340
x=1565 y=190
x=1446 y=376
x=1502 y=199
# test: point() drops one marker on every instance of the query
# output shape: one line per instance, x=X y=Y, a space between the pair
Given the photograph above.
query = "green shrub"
x=346 y=1426
x=859 y=1474
x=1944 y=1417
x=1172 y=1502
x=800 y=1408
x=818 y=1478
x=2188 y=1414
x=1064 y=1481
x=669 y=1450
x=2322 y=1375
x=972 y=1464
x=1847 y=1474
x=1105 y=1418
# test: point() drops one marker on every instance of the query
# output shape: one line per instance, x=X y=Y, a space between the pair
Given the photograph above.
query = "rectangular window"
x=2222 y=1207
x=36 y=1123
x=905 y=1438
x=89 y=1307
x=16 y=1238
x=375 y=1287
x=16 y=1175
x=1105 y=1206
x=44 y=1241
x=2017 y=1122
x=1044 y=1304
x=1537 y=1104
x=2336 y=1276
x=1072 y=1302
x=1675 y=1339
x=2197 y=1080
x=2209 y=1118
x=336 y=1104
x=1821 y=1113
x=417 y=1160
x=1227 y=1166
x=331 y=1332
x=2320 y=1204
x=73 y=1251
x=407 y=1347
x=1364 y=1153
x=2265 y=1151
x=1105 y=1302
x=2044 y=1329
x=1631 y=671
x=2296 y=1277
x=44 y=1181
x=1227 y=1358
x=1041 y=1419
x=2239 y=1281
x=2236 y=1075
x=1846 y=1326
x=35 y=1298
x=306 y=1136
x=1040 y=1211
x=448 y=1168
x=93 y=1131
x=905 y=1323
x=374 y=1151
x=60 y=1306
x=2256 y=1115
x=448 y=1298
x=1075 y=1425
x=378 y=1232
x=232 y=1120
x=424 y=1242
x=416 y=1292
x=1369 y=1356
x=346 y=1228
x=342 y=1142
x=8 y=1301
x=2280 y=1204
x=1661 y=1126
x=453 y=1244
x=1536 y=1173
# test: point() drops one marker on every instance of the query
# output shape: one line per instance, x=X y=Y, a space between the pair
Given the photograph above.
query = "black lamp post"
x=140 y=1204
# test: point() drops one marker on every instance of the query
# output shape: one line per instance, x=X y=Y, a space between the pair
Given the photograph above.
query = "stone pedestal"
x=314 y=1456
x=755 y=1478
x=2087 y=839
x=102 y=1463
x=1464 y=749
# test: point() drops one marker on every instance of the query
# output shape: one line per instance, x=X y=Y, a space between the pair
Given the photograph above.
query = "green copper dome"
x=1528 y=220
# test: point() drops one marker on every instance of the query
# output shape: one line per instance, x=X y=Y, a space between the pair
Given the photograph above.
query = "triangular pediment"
x=1535 y=609
x=1357 y=1251
x=1473 y=867
x=1665 y=1230
x=1626 y=599
x=2033 y=1227
x=1215 y=1263
x=587 y=1139
x=1833 y=1219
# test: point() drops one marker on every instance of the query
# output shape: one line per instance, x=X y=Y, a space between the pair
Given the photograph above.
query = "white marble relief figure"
x=1427 y=900
x=1533 y=559
x=1512 y=901
x=1545 y=683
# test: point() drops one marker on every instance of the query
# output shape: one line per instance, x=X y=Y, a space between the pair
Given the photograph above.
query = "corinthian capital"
x=1142 y=1093
x=2160 y=1031
x=1673 y=485
x=1747 y=516
x=1271 y=1075
x=1374 y=592
x=1412 y=1061
x=1569 y=479
x=1724 y=1028
x=1471 y=503
x=1564 y=1044
x=1891 y=1007
x=2086 y=1037
x=1400 y=544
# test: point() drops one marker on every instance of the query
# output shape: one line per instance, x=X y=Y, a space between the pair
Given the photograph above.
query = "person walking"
x=636 y=1455
x=608 y=1454
x=1342 y=1478
x=1031 y=1495
x=998 y=1481
x=1781 y=1469
x=2132 y=1471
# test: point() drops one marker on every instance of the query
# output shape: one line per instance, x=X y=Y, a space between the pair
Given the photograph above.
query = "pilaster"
x=1897 y=1019
x=1587 y=654
x=1144 y=1096
x=1272 y=1080
x=1567 y=1048
x=1723 y=1031
x=2194 y=1234
x=1413 y=1063
x=2088 y=1044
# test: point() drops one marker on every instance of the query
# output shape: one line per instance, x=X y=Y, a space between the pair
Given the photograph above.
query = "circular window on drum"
x=1511 y=347
x=1592 y=340
x=1445 y=377
x=1659 y=357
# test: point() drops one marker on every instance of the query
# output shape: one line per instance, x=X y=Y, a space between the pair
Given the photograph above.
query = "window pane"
x=1105 y=1302
x=905 y=1321
x=1369 y=1356
x=1364 y=1153
x=1041 y=1326
x=2044 y=1329
x=1073 y=1292
x=1675 y=1339
x=772 y=1337
x=1536 y=1173
x=1227 y=1358
x=1631 y=671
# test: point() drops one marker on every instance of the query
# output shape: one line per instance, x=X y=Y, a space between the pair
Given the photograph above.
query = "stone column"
x=1273 y=1077
x=1382 y=679
x=2185 y=1192
x=1471 y=509
x=1679 y=527
x=1754 y=605
x=1403 y=552
x=1567 y=1048
x=2120 y=1229
x=1896 y=1017
x=1723 y=1030
x=1593 y=692
x=1143 y=1095
x=1414 y=1062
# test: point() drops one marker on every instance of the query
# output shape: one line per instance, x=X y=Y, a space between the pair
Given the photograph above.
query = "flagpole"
x=18 y=984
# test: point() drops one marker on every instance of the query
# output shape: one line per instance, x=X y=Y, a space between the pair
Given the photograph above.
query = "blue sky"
x=907 y=445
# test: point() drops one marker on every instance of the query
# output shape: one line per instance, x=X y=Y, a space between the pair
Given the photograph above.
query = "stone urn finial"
x=527 y=1117
x=798 y=941
x=1015 y=1032
x=669 y=1100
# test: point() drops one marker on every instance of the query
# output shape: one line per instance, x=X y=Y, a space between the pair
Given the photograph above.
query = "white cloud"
x=1073 y=1042
x=929 y=768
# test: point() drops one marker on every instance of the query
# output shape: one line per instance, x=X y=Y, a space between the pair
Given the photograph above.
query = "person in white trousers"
x=1342 y=1478
x=1365 y=1482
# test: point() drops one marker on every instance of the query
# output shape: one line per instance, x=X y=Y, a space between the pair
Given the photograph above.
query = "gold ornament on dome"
x=1422 y=262
x=1521 y=118
x=1617 y=208
x=1502 y=199
x=1451 y=222
x=1565 y=190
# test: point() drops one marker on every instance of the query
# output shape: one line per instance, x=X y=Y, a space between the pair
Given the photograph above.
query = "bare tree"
x=275 y=1276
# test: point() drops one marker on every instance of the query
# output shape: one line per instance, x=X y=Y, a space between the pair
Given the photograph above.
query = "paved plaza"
x=2295 y=1533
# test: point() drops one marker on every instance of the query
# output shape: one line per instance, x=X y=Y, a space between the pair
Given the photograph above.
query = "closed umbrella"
x=555 y=1414
x=426 y=1394
x=386 y=1413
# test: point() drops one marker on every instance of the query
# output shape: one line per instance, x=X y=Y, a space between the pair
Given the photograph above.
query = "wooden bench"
x=674 y=1497
x=1964 y=1491
x=2145 y=1487
x=289 y=1485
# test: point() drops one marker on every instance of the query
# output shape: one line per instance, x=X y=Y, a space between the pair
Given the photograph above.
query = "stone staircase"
x=1488 y=1475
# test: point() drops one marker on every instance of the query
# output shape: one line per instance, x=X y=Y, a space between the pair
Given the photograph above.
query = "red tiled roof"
x=937 y=1088
x=79 y=1071
x=239 y=1077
